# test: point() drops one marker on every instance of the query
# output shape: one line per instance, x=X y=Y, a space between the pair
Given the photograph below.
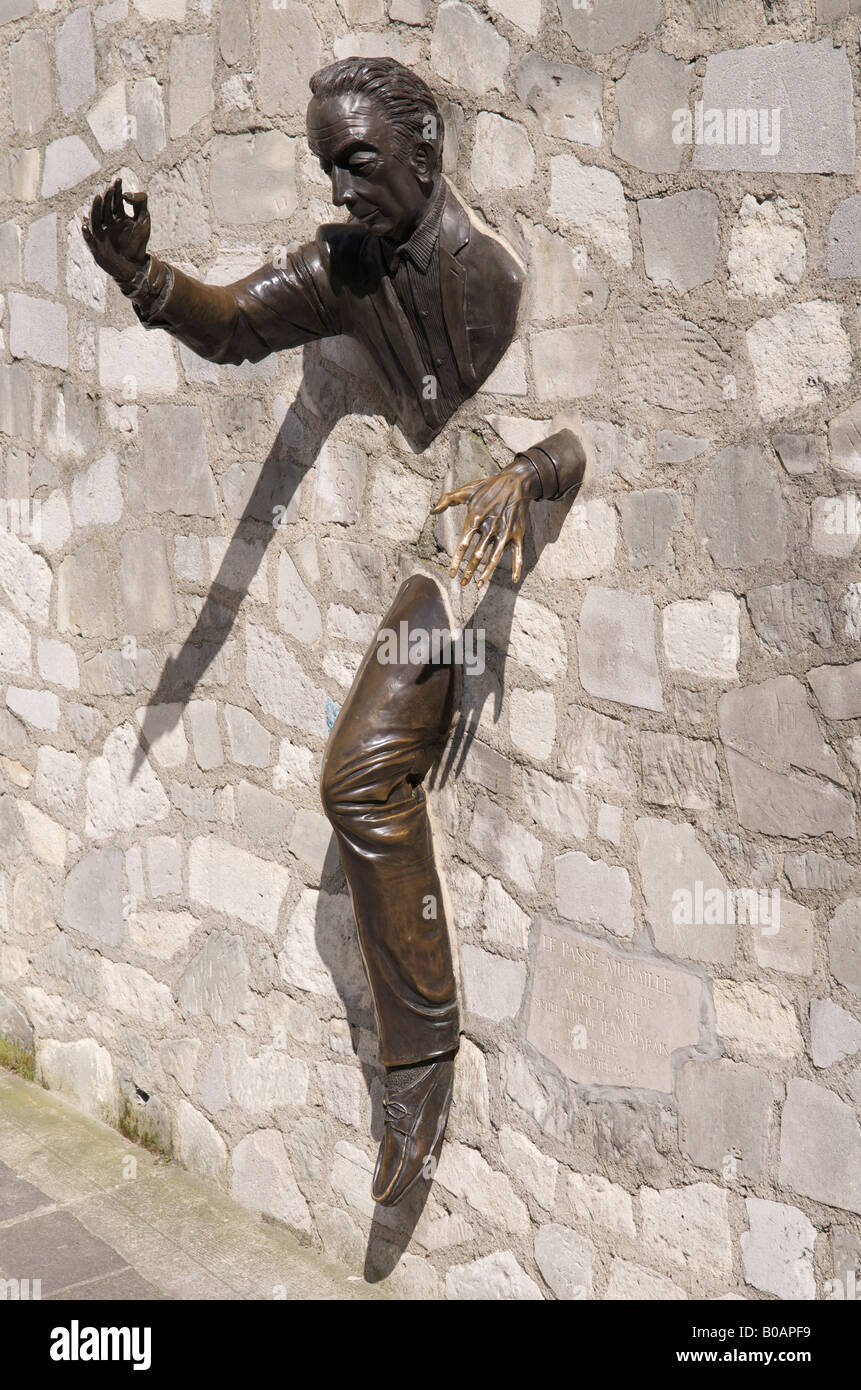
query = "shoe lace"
x=394 y=1110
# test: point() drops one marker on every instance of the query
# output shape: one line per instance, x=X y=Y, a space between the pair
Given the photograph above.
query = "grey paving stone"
x=680 y=238
x=725 y=1111
x=123 y=1287
x=617 y=647
x=648 y=521
x=820 y=1146
x=290 y=50
x=774 y=751
x=599 y=28
x=828 y=10
x=844 y=239
x=253 y=177
x=667 y=361
x=799 y=453
x=31 y=82
x=191 y=68
x=566 y=98
x=10 y=253
x=15 y=9
x=75 y=58
x=654 y=86
x=57 y=1249
x=14 y=1024
x=817 y=129
x=791 y=616
x=234 y=34
x=739 y=511
x=169 y=432
x=17 y=1196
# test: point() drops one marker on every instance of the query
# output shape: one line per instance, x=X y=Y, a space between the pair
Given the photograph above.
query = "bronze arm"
x=266 y=311
x=207 y=318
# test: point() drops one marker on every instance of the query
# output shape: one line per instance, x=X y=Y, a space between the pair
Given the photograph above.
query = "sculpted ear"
x=424 y=161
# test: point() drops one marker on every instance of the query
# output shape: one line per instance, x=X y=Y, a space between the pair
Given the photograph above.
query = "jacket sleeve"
x=560 y=462
x=270 y=309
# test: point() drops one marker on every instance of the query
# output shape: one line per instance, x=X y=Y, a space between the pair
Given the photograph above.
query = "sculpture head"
x=376 y=129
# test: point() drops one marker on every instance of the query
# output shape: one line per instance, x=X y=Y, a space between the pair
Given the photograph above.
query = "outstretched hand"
x=118 y=241
x=496 y=510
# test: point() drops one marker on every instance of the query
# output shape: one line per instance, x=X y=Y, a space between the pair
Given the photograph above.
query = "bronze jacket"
x=340 y=283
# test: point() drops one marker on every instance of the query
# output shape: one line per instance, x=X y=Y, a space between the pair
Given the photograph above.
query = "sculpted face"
x=353 y=141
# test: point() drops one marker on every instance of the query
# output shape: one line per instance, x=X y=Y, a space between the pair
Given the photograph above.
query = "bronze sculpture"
x=433 y=296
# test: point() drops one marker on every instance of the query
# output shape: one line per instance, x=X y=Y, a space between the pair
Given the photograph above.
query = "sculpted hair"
x=406 y=98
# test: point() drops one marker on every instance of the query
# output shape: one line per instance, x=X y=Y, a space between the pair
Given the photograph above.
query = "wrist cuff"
x=560 y=462
x=149 y=290
x=545 y=468
x=133 y=285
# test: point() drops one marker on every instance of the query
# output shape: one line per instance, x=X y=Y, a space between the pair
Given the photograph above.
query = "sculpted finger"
x=453 y=499
x=108 y=206
x=517 y=561
x=96 y=216
x=490 y=565
x=445 y=501
x=485 y=539
x=143 y=232
x=109 y=215
x=503 y=535
x=493 y=560
x=468 y=535
x=139 y=203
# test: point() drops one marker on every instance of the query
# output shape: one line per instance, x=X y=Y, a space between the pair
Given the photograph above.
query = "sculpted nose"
x=342 y=192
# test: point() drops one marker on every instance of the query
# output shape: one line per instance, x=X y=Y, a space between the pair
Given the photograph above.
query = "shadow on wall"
x=276 y=487
x=391 y=1227
x=494 y=616
x=332 y=396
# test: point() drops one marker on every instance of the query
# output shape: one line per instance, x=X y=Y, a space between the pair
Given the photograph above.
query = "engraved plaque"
x=605 y=1017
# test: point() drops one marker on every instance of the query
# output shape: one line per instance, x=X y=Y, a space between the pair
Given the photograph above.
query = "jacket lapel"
x=396 y=327
x=453 y=236
x=391 y=328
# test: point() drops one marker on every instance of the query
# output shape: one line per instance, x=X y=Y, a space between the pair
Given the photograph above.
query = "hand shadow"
x=488 y=631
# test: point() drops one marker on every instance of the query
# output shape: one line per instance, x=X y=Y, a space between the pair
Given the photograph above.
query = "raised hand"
x=496 y=510
x=117 y=241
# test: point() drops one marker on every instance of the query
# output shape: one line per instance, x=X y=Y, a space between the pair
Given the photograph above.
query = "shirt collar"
x=418 y=248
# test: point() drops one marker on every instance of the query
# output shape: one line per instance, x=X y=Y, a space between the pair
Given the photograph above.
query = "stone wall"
x=655 y=1099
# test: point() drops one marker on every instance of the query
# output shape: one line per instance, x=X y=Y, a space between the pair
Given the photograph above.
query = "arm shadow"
x=274 y=494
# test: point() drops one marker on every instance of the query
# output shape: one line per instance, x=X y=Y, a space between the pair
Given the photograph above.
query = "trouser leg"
x=390 y=728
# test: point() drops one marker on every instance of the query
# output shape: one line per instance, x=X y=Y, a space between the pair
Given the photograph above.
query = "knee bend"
x=358 y=781
x=332 y=805
x=338 y=776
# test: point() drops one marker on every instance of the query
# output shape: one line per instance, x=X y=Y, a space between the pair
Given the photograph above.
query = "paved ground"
x=95 y=1217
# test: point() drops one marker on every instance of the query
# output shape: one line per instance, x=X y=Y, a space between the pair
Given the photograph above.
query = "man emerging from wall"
x=432 y=295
